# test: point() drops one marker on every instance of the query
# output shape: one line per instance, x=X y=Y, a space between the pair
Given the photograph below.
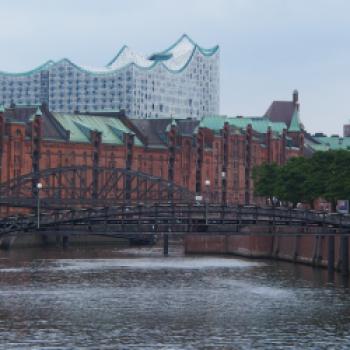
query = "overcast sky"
x=268 y=47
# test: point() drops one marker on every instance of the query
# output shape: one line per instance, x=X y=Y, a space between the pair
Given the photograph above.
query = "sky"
x=268 y=48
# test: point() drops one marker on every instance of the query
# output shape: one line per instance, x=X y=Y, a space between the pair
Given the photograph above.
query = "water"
x=110 y=298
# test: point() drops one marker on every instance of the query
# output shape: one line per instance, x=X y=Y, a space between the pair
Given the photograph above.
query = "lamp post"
x=223 y=188
x=39 y=186
x=207 y=184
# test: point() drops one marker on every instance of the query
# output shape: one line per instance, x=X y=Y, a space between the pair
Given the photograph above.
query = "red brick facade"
x=225 y=157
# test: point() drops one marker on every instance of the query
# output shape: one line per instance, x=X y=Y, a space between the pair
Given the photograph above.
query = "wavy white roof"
x=175 y=58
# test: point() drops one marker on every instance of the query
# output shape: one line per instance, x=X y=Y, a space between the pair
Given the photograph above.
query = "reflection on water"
x=108 y=298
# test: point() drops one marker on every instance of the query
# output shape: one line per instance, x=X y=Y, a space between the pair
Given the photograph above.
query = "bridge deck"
x=178 y=219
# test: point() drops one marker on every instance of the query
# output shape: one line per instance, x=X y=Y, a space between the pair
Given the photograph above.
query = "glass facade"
x=183 y=81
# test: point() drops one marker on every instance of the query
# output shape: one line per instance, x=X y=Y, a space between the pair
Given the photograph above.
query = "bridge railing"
x=173 y=215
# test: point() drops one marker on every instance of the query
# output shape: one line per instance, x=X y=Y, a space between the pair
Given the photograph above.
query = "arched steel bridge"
x=177 y=219
x=88 y=186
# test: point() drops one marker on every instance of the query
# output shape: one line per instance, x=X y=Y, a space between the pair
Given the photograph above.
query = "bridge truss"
x=85 y=186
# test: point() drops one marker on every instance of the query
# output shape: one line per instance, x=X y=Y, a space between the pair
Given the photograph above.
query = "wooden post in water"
x=344 y=243
x=331 y=258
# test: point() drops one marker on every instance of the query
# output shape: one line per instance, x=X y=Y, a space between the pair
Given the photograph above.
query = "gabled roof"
x=187 y=127
x=27 y=113
x=154 y=130
x=20 y=113
x=80 y=128
x=281 y=111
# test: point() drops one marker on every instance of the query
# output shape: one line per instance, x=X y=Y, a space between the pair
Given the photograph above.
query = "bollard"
x=166 y=244
x=331 y=258
x=65 y=241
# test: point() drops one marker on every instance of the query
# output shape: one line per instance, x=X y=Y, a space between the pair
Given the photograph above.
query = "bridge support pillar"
x=44 y=240
x=166 y=244
x=344 y=247
x=58 y=240
x=65 y=241
x=331 y=250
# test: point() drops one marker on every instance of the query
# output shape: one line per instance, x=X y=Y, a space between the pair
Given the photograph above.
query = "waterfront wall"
x=305 y=248
x=40 y=240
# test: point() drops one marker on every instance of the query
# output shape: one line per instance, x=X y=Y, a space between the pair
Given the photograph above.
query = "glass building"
x=181 y=81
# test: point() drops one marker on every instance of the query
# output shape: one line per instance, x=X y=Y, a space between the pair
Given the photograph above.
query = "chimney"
x=295 y=97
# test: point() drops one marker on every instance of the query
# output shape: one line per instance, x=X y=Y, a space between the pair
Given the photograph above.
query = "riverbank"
x=306 y=249
x=38 y=240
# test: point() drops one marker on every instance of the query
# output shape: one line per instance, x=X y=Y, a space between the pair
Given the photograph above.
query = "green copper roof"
x=259 y=124
x=213 y=122
x=295 y=122
x=2 y=109
x=81 y=126
x=333 y=142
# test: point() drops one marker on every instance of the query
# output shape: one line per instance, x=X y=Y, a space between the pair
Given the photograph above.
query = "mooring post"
x=344 y=255
x=166 y=244
x=45 y=240
x=65 y=241
x=331 y=258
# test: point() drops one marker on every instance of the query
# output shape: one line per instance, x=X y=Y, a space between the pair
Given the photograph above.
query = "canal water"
x=113 y=298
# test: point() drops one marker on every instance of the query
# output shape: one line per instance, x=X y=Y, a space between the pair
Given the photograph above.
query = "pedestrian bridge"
x=176 y=218
x=119 y=202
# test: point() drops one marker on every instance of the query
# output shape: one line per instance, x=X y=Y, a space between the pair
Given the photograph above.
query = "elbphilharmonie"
x=180 y=81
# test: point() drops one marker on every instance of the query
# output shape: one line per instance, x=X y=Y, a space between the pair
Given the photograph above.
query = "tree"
x=292 y=184
x=325 y=174
x=336 y=183
x=265 y=178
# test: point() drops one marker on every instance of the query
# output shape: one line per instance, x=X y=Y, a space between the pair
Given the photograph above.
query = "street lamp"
x=39 y=186
x=223 y=187
x=207 y=184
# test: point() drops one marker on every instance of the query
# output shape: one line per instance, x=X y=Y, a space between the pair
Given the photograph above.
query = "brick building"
x=213 y=156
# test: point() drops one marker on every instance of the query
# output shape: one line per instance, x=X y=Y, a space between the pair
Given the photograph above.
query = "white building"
x=181 y=81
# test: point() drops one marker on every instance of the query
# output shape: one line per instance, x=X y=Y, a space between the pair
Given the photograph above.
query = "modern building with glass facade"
x=181 y=81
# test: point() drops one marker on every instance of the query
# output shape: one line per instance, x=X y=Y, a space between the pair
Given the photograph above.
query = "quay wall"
x=38 y=240
x=300 y=247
